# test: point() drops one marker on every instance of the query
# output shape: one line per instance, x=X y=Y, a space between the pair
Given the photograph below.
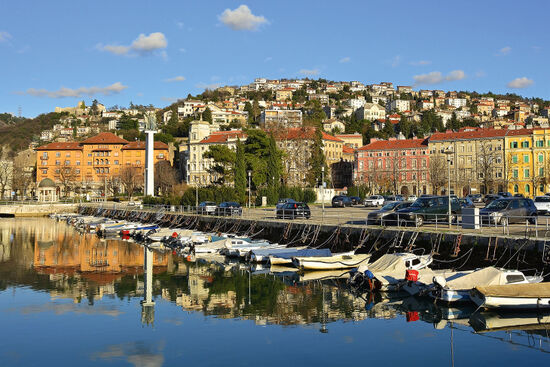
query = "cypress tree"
x=317 y=160
x=240 y=171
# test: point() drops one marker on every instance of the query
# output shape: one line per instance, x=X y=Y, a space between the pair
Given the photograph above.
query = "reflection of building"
x=147 y=304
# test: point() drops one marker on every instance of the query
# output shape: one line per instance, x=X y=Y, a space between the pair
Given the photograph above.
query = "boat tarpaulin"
x=485 y=276
x=528 y=290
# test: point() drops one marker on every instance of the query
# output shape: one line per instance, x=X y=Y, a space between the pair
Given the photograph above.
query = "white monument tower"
x=150 y=130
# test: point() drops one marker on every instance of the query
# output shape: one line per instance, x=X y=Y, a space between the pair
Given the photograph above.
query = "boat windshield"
x=390 y=206
x=498 y=204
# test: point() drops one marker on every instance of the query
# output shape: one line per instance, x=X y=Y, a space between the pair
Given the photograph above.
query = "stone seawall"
x=35 y=210
x=452 y=250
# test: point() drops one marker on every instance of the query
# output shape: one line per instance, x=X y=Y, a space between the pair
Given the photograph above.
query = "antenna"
x=19 y=111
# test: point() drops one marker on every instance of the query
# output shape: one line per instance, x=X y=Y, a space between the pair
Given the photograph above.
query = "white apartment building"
x=399 y=105
x=371 y=112
x=286 y=118
x=456 y=102
x=356 y=103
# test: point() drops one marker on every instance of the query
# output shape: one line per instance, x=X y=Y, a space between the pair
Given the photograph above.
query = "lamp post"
x=448 y=152
x=323 y=188
x=249 y=188
x=197 y=193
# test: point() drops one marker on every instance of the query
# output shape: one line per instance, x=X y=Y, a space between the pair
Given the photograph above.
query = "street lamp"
x=323 y=188
x=249 y=188
x=197 y=193
x=448 y=152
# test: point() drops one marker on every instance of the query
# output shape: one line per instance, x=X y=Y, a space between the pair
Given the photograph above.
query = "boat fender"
x=369 y=274
x=412 y=316
x=411 y=275
x=440 y=281
x=175 y=234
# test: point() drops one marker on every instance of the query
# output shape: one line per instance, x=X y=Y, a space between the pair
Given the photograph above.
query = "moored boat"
x=345 y=260
x=529 y=296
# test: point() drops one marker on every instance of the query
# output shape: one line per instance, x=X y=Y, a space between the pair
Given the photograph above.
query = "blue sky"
x=54 y=53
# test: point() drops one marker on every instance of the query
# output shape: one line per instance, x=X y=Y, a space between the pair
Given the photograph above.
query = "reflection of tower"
x=323 y=329
x=147 y=304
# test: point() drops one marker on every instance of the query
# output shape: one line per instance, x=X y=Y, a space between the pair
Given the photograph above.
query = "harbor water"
x=74 y=299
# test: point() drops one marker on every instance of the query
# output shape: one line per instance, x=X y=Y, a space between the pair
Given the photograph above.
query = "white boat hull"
x=332 y=262
x=509 y=303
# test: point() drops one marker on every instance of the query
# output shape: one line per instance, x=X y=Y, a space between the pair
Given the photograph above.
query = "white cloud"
x=455 y=75
x=242 y=19
x=178 y=78
x=345 y=59
x=268 y=59
x=396 y=61
x=169 y=99
x=4 y=36
x=480 y=74
x=180 y=25
x=309 y=72
x=209 y=86
x=504 y=51
x=68 y=92
x=435 y=77
x=420 y=63
x=519 y=83
x=182 y=50
x=142 y=45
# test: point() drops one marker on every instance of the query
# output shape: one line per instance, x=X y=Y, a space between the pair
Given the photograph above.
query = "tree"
x=453 y=123
x=438 y=172
x=486 y=159
x=131 y=179
x=388 y=130
x=113 y=185
x=207 y=115
x=6 y=173
x=22 y=180
x=68 y=178
x=94 y=110
x=240 y=171
x=224 y=160
x=316 y=160
x=166 y=177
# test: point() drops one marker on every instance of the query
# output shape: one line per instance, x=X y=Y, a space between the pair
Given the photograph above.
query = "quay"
x=455 y=247
x=34 y=209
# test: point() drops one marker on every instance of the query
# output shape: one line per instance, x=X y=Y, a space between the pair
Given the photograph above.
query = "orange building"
x=91 y=161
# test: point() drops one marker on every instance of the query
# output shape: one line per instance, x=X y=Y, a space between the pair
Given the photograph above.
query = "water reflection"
x=51 y=257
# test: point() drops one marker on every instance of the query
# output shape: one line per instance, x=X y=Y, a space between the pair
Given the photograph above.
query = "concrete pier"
x=35 y=210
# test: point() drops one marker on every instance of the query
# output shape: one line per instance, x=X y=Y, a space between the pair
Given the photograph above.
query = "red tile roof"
x=478 y=133
x=347 y=150
x=140 y=145
x=222 y=137
x=73 y=145
x=396 y=144
x=105 y=138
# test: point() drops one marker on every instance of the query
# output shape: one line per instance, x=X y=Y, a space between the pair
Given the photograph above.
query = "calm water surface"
x=71 y=299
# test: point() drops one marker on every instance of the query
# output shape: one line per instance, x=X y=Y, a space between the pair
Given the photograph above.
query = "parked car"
x=391 y=198
x=379 y=216
x=355 y=200
x=229 y=208
x=543 y=204
x=294 y=210
x=207 y=208
x=412 y=198
x=428 y=209
x=490 y=197
x=519 y=196
x=374 y=200
x=466 y=203
x=282 y=202
x=341 y=201
x=476 y=198
x=509 y=210
x=504 y=194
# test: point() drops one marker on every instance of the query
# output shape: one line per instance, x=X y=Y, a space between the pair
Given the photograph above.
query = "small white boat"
x=530 y=296
x=346 y=260
x=285 y=258
x=483 y=322
x=459 y=289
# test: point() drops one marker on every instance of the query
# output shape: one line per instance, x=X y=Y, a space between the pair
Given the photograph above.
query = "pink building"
x=397 y=166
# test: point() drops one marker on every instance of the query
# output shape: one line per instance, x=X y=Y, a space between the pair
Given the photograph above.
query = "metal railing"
x=521 y=226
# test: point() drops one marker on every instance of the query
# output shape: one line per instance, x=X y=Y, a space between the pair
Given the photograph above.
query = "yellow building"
x=521 y=171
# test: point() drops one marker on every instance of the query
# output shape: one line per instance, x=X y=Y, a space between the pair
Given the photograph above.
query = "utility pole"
x=323 y=188
x=249 y=188
x=448 y=152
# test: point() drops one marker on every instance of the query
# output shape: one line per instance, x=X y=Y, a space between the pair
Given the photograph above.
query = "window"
x=138 y=162
x=57 y=163
x=541 y=158
x=516 y=188
x=116 y=162
x=515 y=173
x=513 y=144
x=526 y=173
x=68 y=155
x=541 y=171
x=57 y=154
x=77 y=170
x=89 y=163
x=78 y=163
x=45 y=155
x=67 y=163
x=525 y=158
x=44 y=171
x=525 y=144
x=57 y=171
x=514 y=159
x=540 y=143
x=527 y=189
x=161 y=155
